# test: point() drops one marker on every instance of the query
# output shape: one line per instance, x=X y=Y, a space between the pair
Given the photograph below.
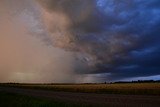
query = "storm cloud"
x=24 y=54
x=106 y=40
x=115 y=37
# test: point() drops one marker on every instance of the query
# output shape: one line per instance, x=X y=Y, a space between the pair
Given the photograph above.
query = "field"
x=80 y=95
x=10 y=99
x=117 y=88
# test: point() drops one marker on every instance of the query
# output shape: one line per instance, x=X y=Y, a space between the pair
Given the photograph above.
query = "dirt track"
x=91 y=98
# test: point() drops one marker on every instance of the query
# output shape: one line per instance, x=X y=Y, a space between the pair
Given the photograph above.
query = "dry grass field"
x=81 y=95
x=116 y=88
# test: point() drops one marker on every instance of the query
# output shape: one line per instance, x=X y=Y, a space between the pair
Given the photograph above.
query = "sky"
x=79 y=40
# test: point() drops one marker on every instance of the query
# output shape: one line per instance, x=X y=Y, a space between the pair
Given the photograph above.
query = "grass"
x=120 y=88
x=16 y=100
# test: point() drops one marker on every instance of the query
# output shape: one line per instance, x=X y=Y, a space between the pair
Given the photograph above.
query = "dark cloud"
x=113 y=36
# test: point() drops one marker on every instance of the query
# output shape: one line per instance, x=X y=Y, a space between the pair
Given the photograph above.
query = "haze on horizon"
x=79 y=40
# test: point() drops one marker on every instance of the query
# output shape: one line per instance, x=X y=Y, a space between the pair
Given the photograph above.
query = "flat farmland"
x=116 y=88
x=85 y=95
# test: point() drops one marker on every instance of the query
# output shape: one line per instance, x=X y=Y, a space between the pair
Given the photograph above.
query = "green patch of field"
x=119 y=88
x=16 y=100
